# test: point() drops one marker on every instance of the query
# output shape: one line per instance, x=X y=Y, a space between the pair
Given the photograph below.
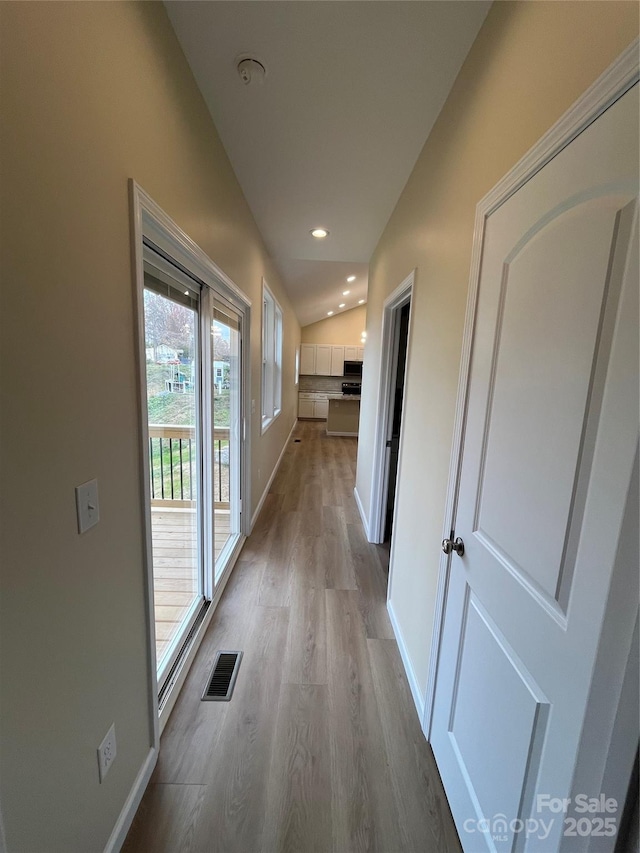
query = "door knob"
x=449 y=545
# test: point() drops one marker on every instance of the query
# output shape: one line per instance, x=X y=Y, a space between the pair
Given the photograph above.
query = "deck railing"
x=173 y=465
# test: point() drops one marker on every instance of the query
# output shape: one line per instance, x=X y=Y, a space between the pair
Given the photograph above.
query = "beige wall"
x=93 y=94
x=344 y=416
x=344 y=328
x=530 y=62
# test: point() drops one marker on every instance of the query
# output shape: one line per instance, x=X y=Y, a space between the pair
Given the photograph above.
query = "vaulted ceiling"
x=329 y=136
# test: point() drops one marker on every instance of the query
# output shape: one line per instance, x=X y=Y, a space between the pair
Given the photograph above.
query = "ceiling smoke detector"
x=251 y=70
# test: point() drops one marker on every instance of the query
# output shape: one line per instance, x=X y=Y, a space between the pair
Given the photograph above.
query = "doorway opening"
x=396 y=324
x=393 y=443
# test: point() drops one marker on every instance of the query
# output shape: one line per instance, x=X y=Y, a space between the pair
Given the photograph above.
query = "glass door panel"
x=226 y=403
x=171 y=316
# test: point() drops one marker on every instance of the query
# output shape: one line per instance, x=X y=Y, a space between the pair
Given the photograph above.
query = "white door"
x=323 y=360
x=550 y=438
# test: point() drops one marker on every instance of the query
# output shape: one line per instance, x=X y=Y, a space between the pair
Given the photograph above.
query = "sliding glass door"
x=193 y=347
x=173 y=366
x=226 y=410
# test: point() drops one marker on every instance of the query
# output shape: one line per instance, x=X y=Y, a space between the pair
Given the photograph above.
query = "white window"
x=271 y=357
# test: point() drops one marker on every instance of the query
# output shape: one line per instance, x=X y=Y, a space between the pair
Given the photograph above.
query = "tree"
x=167 y=322
x=221 y=348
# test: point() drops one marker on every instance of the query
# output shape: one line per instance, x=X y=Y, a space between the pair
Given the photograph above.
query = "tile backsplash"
x=321 y=383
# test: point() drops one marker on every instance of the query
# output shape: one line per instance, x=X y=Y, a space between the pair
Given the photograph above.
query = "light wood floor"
x=320 y=748
x=175 y=584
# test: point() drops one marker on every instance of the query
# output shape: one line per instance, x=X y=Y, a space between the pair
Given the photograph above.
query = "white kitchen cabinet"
x=327 y=359
x=308 y=359
x=337 y=361
x=323 y=360
x=315 y=359
x=321 y=409
x=306 y=408
x=313 y=404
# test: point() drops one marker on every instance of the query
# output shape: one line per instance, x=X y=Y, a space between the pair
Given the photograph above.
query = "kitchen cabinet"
x=321 y=409
x=313 y=404
x=323 y=360
x=315 y=359
x=337 y=361
x=307 y=359
x=306 y=408
x=327 y=359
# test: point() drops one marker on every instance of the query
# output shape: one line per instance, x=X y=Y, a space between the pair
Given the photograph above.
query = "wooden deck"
x=175 y=582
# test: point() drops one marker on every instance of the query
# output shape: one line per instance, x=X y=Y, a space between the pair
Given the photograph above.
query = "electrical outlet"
x=107 y=752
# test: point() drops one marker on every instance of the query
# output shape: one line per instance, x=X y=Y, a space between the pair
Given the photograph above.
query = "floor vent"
x=297 y=440
x=223 y=676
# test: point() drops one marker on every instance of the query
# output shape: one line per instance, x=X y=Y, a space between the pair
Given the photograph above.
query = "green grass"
x=179 y=409
x=175 y=409
x=162 y=470
x=172 y=409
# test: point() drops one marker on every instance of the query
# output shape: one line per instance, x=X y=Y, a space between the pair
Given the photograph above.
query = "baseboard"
x=255 y=515
x=418 y=698
x=365 y=521
x=123 y=824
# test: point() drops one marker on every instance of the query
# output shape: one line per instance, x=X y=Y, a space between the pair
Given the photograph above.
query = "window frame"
x=272 y=345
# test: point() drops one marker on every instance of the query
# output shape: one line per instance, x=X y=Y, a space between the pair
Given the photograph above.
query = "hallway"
x=320 y=748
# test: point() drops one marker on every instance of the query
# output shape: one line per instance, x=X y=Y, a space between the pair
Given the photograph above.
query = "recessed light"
x=329 y=313
x=363 y=335
x=342 y=304
x=360 y=301
x=346 y=292
x=319 y=233
x=351 y=278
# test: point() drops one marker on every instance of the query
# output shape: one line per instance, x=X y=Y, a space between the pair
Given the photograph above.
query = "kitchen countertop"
x=343 y=396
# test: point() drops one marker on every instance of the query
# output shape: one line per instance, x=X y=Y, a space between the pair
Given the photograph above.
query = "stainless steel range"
x=351 y=388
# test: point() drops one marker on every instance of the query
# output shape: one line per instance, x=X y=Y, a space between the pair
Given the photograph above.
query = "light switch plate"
x=87 y=505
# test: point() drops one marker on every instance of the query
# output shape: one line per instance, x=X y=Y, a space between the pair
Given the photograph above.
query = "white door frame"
x=607 y=89
x=150 y=221
x=388 y=363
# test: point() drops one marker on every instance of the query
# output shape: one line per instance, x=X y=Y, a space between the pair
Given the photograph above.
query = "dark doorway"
x=393 y=443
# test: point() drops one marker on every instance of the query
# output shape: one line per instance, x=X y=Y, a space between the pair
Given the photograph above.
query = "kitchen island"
x=343 y=415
